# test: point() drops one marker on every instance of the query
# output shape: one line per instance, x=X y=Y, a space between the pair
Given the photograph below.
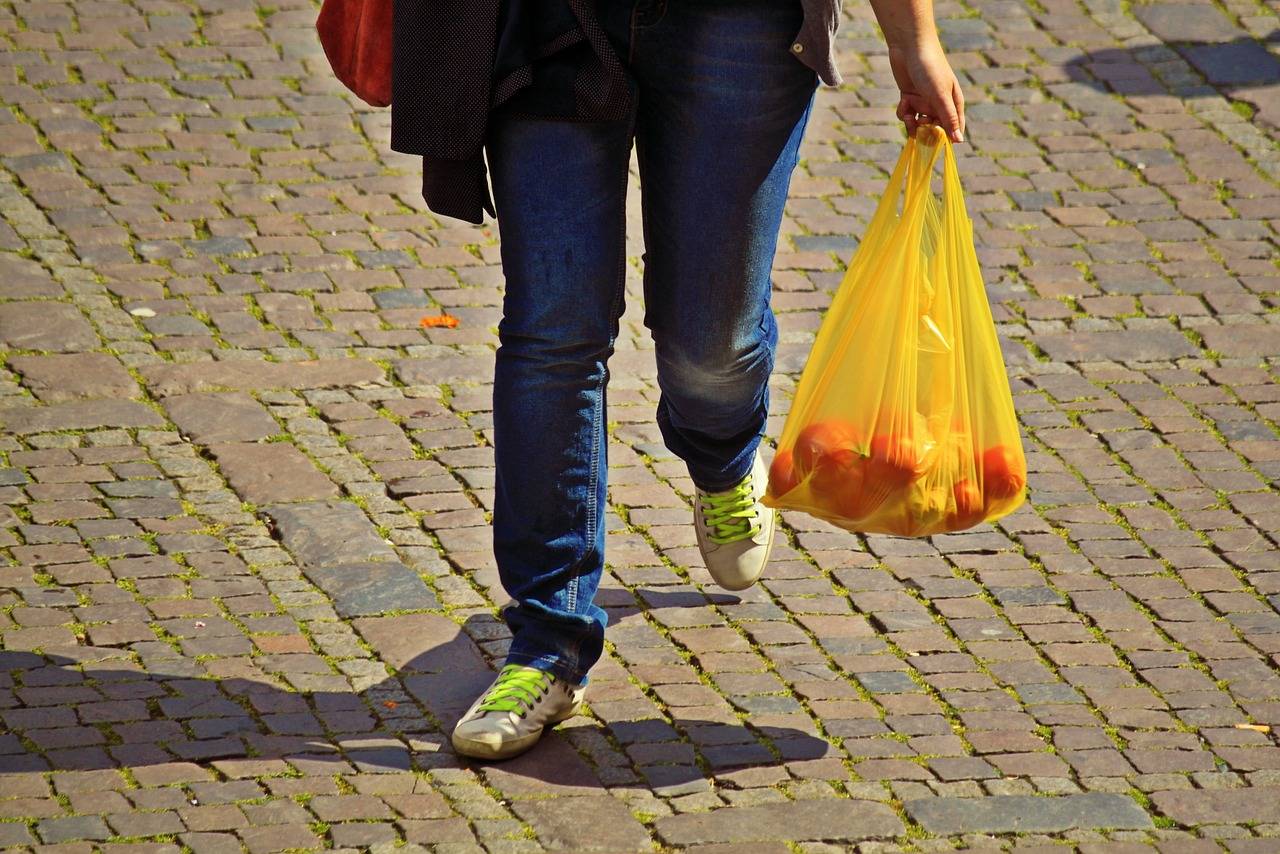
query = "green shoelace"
x=517 y=689
x=729 y=515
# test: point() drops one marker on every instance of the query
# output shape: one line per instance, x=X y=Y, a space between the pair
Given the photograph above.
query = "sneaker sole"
x=507 y=749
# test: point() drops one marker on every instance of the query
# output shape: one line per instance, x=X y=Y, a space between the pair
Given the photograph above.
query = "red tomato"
x=841 y=480
x=822 y=439
x=857 y=503
x=969 y=507
x=892 y=462
x=782 y=473
x=1003 y=474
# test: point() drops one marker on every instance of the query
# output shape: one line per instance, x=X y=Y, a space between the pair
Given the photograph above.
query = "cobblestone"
x=1022 y=814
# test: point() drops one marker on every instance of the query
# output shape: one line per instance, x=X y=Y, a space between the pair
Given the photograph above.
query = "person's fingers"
x=949 y=117
x=907 y=114
x=958 y=97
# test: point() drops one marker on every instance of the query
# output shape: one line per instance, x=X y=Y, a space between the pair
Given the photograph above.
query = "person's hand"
x=930 y=92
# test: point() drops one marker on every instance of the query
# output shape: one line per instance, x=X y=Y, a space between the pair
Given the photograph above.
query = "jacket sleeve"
x=459 y=189
x=441 y=81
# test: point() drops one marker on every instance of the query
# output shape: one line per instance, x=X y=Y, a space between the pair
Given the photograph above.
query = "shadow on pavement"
x=90 y=708
x=1240 y=67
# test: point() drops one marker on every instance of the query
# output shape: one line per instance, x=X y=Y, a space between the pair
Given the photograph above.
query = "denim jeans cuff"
x=728 y=484
x=552 y=664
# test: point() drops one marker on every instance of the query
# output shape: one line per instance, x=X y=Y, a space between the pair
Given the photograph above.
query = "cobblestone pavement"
x=246 y=583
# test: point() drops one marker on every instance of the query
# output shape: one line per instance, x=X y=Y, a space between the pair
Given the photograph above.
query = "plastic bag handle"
x=907 y=172
x=952 y=190
x=888 y=206
x=913 y=168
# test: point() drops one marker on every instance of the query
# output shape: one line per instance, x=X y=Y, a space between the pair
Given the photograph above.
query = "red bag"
x=356 y=36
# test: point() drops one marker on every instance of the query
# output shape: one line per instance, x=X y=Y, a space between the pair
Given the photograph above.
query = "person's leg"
x=559 y=189
x=722 y=110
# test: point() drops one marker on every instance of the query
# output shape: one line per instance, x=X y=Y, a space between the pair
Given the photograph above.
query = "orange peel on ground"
x=439 y=321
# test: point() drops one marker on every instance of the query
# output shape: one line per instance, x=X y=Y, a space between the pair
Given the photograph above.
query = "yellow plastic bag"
x=903 y=422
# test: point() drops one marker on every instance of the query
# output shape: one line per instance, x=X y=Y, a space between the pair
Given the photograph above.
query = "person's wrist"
x=917 y=44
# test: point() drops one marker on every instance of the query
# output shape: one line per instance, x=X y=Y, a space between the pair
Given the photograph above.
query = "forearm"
x=906 y=23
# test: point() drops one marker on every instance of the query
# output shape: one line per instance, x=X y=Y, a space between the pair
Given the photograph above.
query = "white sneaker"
x=508 y=718
x=735 y=530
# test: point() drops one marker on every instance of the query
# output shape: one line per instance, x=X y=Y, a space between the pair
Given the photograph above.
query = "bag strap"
x=925 y=147
x=952 y=190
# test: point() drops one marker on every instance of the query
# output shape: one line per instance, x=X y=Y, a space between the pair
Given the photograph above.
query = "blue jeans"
x=720 y=109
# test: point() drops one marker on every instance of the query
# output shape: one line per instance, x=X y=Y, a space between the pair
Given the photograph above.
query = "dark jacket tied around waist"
x=456 y=60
